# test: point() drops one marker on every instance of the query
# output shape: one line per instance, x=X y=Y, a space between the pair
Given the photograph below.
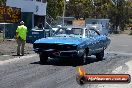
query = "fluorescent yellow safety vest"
x=22 y=32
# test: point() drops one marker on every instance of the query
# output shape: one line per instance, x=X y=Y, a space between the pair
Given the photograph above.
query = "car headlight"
x=80 y=51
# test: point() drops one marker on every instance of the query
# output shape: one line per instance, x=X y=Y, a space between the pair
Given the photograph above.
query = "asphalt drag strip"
x=26 y=72
x=126 y=68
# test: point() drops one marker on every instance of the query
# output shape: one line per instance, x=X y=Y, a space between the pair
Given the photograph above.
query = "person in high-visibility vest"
x=21 y=34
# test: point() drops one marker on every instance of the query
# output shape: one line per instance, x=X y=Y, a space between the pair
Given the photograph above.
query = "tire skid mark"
x=53 y=80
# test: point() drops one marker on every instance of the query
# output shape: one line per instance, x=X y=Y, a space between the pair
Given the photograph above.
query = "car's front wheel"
x=83 y=57
x=43 y=58
x=100 y=55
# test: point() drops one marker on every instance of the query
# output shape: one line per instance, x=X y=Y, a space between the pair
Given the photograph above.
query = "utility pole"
x=64 y=10
x=64 y=13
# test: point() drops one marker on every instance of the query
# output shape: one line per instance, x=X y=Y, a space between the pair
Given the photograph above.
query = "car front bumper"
x=55 y=53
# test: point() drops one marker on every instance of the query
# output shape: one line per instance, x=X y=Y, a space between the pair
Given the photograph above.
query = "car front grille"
x=54 y=46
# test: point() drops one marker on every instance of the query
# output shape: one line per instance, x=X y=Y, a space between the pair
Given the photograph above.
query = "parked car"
x=72 y=42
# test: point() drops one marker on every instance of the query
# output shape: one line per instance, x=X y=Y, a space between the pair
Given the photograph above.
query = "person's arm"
x=17 y=33
x=27 y=30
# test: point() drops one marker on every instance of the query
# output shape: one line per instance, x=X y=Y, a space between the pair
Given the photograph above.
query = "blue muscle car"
x=72 y=42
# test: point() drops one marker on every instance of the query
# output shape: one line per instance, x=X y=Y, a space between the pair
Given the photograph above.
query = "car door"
x=95 y=40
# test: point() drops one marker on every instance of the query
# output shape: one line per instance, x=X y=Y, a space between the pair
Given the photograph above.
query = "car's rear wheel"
x=43 y=58
x=100 y=55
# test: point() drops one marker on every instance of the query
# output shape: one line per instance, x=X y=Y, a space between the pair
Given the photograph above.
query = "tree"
x=119 y=15
x=79 y=8
x=55 y=8
x=2 y=2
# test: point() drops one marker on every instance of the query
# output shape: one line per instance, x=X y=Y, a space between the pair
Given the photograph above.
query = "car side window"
x=77 y=31
x=93 y=33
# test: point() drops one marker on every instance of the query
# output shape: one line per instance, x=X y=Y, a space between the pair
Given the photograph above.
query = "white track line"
x=117 y=52
x=17 y=59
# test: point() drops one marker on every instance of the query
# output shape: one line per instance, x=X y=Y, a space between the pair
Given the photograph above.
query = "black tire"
x=83 y=57
x=43 y=58
x=100 y=55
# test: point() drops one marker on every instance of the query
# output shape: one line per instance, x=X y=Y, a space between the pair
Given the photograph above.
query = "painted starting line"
x=33 y=55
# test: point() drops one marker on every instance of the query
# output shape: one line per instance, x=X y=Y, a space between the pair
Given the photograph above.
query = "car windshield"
x=70 y=31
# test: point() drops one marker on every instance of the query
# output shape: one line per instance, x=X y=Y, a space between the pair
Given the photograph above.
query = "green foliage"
x=118 y=14
x=2 y=2
x=79 y=8
x=55 y=8
x=86 y=8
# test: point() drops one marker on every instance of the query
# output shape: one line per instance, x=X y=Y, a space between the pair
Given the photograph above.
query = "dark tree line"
x=119 y=13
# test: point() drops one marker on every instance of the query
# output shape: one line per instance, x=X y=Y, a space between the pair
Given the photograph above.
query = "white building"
x=33 y=11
